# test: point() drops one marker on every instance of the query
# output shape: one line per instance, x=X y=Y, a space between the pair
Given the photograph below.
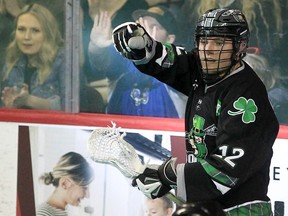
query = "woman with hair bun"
x=70 y=177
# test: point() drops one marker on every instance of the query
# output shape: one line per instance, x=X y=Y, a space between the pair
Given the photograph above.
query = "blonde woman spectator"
x=33 y=75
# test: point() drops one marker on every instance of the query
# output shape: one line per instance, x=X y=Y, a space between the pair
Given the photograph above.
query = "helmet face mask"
x=228 y=25
x=215 y=56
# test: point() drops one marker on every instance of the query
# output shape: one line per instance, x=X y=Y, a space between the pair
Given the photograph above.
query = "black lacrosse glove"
x=157 y=182
x=133 y=42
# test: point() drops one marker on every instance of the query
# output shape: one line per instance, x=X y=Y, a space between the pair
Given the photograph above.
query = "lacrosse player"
x=230 y=124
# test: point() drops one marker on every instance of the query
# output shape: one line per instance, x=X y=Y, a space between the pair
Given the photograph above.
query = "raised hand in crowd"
x=101 y=33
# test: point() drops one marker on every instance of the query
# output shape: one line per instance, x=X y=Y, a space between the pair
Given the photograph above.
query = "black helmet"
x=224 y=23
x=227 y=23
x=209 y=208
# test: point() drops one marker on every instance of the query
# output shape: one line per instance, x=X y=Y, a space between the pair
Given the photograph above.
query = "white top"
x=47 y=210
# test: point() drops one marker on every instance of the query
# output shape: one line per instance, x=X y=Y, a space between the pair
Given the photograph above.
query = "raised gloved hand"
x=133 y=42
x=156 y=182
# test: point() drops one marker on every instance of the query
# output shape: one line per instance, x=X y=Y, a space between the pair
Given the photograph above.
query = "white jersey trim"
x=223 y=189
x=245 y=204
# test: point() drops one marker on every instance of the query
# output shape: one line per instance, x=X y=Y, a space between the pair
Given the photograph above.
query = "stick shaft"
x=177 y=200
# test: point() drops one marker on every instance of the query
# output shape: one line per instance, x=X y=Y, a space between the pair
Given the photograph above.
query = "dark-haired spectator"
x=9 y=9
x=131 y=92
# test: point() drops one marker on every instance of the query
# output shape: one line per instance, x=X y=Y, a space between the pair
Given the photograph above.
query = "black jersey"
x=230 y=128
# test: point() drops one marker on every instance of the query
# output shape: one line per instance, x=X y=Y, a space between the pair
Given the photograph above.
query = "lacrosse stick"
x=106 y=145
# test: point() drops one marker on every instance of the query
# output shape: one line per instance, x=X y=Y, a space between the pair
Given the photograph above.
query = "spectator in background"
x=131 y=92
x=34 y=71
x=9 y=9
x=158 y=207
x=93 y=86
x=120 y=10
x=278 y=94
x=71 y=177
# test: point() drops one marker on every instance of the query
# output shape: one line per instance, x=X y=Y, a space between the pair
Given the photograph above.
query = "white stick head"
x=106 y=145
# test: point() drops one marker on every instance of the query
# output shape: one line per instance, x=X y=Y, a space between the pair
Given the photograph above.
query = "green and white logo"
x=218 y=108
x=246 y=108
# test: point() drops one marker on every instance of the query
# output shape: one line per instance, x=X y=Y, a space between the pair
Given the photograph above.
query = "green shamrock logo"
x=247 y=108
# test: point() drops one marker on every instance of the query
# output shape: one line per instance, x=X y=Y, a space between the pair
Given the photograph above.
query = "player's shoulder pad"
x=180 y=50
